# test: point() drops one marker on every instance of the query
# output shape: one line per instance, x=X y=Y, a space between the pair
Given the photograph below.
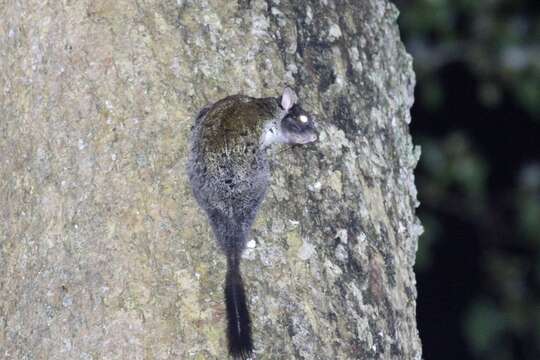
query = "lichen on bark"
x=103 y=252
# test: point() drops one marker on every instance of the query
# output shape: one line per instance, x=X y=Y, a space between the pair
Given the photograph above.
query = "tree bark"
x=103 y=251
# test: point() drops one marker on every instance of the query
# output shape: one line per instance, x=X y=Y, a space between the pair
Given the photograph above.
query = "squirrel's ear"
x=288 y=99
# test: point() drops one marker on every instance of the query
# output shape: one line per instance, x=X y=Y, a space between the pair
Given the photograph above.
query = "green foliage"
x=484 y=325
x=498 y=42
x=454 y=171
x=528 y=204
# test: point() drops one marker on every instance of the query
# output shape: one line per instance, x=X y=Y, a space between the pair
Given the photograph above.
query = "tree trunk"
x=103 y=251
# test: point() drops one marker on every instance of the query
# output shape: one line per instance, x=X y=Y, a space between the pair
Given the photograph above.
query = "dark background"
x=477 y=119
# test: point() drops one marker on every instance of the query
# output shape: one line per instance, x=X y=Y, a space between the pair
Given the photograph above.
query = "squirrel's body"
x=229 y=175
x=228 y=164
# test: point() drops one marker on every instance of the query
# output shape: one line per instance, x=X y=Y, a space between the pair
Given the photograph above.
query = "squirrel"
x=229 y=175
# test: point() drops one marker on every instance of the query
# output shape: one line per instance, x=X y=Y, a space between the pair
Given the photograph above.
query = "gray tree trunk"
x=103 y=251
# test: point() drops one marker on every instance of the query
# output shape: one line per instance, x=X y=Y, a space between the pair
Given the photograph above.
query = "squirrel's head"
x=297 y=126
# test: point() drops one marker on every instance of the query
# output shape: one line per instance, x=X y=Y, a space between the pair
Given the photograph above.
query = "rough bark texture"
x=103 y=252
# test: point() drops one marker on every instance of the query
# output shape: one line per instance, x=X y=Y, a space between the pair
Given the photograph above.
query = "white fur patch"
x=272 y=135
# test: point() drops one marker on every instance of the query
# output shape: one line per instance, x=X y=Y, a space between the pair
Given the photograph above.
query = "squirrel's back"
x=227 y=164
x=228 y=133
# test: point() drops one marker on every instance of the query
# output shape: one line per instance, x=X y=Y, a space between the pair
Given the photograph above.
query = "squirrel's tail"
x=238 y=321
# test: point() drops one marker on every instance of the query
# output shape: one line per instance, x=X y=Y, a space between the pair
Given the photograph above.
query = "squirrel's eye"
x=303 y=119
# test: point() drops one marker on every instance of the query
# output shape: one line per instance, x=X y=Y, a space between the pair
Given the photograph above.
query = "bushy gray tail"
x=238 y=321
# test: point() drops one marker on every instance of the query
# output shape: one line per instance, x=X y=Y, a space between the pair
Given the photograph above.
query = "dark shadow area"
x=477 y=119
